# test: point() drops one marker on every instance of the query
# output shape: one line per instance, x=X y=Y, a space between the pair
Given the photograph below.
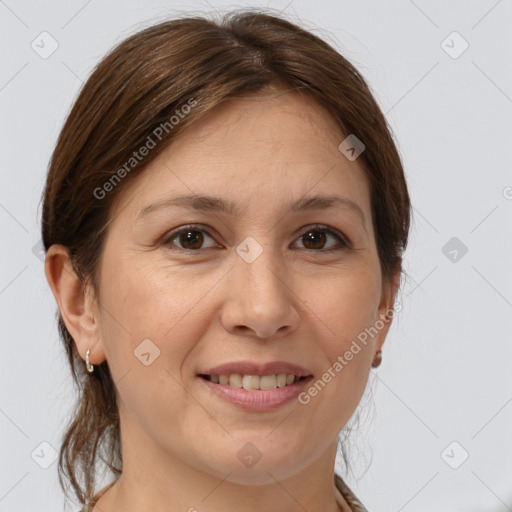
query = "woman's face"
x=262 y=283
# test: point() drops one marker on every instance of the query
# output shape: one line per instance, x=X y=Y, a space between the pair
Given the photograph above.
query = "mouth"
x=253 y=386
x=256 y=382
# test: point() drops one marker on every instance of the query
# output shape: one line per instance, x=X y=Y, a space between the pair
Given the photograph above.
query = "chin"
x=250 y=466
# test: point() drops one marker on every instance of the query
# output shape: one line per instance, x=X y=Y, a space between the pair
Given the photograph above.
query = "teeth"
x=281 y=380
x=235 y=380
x=268 y=382
x=251 y=382
x=265 y=382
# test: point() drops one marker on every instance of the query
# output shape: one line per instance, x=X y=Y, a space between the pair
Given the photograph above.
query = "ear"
x=76 y=303
x=386 y=310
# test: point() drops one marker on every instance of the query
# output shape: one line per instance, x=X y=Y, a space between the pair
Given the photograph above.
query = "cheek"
x=347 y=305
x=347 y=309
x=147 y=326
x=168 y=308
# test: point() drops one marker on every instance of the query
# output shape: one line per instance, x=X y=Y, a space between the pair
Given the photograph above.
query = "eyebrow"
x=219 y=205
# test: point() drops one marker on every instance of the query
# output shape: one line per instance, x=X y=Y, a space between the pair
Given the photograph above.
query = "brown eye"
x=191 y=239
x=315 y=238
x=188 y=239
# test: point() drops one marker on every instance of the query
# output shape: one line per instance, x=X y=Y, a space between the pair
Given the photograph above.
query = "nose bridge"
x=258 y=268
x=260 y=299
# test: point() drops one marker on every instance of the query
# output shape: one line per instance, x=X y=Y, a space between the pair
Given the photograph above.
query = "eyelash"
x=315 y=227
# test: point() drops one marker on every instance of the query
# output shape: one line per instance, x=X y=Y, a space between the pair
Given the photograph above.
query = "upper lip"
x=252 y=368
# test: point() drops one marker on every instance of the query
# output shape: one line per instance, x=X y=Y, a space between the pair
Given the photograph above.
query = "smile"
x=251 y=395
x=254 y=382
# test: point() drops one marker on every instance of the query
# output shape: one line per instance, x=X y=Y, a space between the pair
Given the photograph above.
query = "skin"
x=294 y=303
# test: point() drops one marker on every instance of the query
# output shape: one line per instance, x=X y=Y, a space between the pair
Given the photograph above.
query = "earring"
x=89 y=366
x=378 y=359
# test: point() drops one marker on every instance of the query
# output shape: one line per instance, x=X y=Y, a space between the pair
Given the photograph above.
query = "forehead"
x=275 y=147
x=266 y=122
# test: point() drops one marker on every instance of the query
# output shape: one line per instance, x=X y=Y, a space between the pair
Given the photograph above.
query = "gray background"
x=445 y=375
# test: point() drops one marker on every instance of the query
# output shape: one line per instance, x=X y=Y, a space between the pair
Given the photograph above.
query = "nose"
x=260 y=300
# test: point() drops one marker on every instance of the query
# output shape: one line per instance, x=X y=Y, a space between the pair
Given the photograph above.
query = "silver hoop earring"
x=89 y=366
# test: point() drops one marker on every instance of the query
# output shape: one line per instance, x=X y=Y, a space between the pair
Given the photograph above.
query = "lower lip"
x=257 y=399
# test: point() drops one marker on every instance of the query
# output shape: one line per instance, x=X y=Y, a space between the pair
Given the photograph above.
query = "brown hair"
x=132 y=93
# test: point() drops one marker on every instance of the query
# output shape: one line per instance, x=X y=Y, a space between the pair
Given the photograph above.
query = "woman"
x=224 y=220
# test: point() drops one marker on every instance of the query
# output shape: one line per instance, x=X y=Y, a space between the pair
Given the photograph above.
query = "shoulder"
x=349 y=496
